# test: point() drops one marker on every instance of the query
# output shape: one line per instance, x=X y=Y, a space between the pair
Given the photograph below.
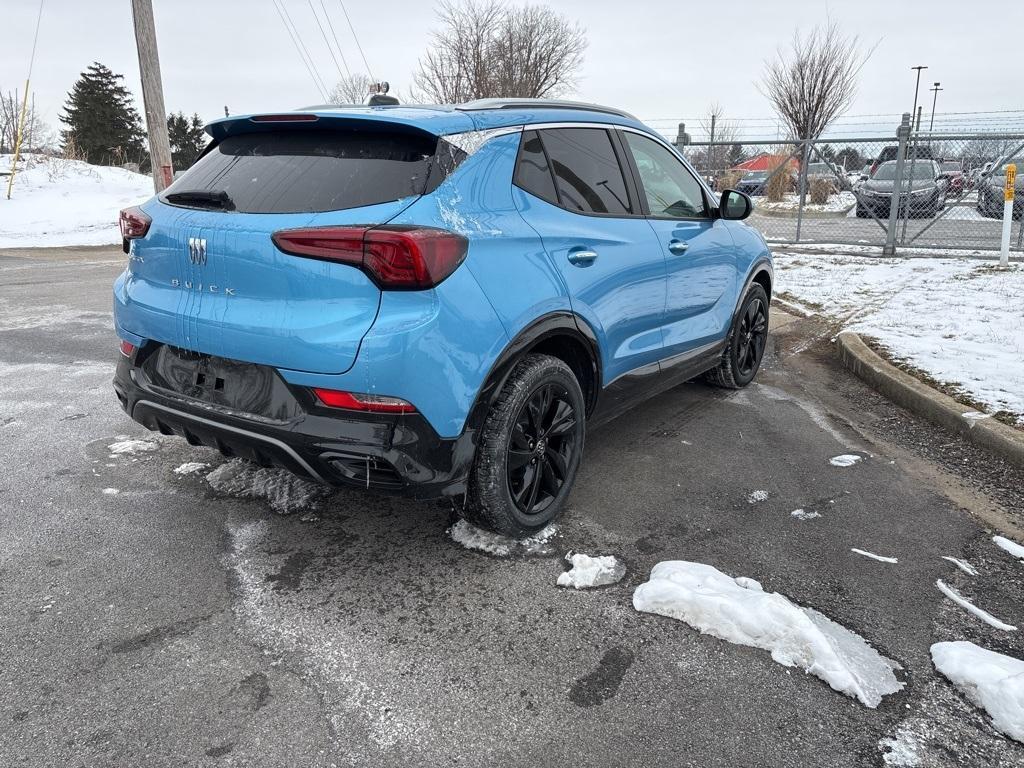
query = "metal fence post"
x=803 y=188
x=902 y=136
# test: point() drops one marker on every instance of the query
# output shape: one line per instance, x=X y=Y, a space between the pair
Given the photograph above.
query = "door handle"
x=582 y=257
x=678 y=246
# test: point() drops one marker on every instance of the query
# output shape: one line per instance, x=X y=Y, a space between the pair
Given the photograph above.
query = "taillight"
x=363 y=402
x=397 y=258
x=127 y=348
x=134 y=223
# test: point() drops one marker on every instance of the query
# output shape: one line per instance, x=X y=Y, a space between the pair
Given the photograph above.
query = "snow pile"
x=1011 y=547
x=286 y=493
x=991 y=680
x=67 y=202
x=873 y=556
x=970 y=607
x=756 y=496
x=471 y=537
x=190 y=467
x=963 y=565
x=130 y=447
x=590 y=571
x=803 y=514
x=740 y=611
x=845 y=460
x=956 y=319
x=837 y=203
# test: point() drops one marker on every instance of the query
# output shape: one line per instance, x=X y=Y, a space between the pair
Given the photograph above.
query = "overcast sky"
x=659 y=59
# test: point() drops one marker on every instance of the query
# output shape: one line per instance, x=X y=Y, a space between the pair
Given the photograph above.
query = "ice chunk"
x=756 y=496
x=963 y=565
x=590 y=571
x=901 y=750
x=129 y=447
x=471 y=537
x=739 y=611
x=1011 y=547
x=873 y=556
x=190 y=467
x=968 y=606
x=803 y=514
x=991 y=680
x=845 y=460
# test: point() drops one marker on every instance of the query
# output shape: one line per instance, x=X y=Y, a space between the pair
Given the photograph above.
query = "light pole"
x=917 y=85
x=935 y=90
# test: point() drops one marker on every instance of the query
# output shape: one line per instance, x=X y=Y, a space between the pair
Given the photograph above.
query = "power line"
x=335 y=36
x=302 y=43
x=299 y=48
x=326 y=41
x=356 y=38
x=35 y=39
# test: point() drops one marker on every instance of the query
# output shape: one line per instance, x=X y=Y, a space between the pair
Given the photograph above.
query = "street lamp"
x=917 y=85
x=935 y=98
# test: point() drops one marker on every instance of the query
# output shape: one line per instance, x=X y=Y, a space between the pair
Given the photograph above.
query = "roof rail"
x=481 y=104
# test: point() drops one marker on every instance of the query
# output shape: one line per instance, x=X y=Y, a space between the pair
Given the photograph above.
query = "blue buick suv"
x=436 y=301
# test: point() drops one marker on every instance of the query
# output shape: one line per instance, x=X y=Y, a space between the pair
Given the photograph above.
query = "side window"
x=587 y=172
x=532 y=171
x=671 y=190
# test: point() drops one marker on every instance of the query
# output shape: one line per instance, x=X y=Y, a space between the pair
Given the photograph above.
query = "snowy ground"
x=66 y=202
x=958 y=320
x=837 y=203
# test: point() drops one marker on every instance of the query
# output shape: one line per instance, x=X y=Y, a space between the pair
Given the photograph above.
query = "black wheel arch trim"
x=761 y=267
x=550 y=325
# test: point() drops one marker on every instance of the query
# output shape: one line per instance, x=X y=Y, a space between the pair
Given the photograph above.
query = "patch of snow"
x=873 y=556
x=902 y=750
x=963 y=565
x=57 y=202
x=845 y=460
x=111 y=491
x=991 y=680
x=1011 y=547
x=968 y=606
x=285 y=492
x=802 y=514
x=741 y=612
x=975 y=416
x=590 y=571
x=130 y=447
x=837 y=203
x=471 y=537
x=190 y=467
x=756 y=496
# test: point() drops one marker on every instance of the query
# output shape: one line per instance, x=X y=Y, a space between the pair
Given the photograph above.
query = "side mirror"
x=734 y=205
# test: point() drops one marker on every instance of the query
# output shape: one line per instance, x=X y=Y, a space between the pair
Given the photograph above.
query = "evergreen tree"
x=103 y=125
x=736 y=155
x=187 y=139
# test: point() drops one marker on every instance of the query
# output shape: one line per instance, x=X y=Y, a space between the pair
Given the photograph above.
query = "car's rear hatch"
x=207 y=276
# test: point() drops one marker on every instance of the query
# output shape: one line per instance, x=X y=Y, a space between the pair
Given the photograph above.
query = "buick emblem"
x=197 y=251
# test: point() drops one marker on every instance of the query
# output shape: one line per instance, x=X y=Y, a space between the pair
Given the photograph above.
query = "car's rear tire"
x=745 y=344
x=862 y=213
x=529 y=449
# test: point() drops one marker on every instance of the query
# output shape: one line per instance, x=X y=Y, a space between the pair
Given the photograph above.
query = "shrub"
x=820 y=189
x=779 y=185
x=728 y=180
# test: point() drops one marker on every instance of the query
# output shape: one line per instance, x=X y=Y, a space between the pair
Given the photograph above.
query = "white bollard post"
x=1011 y=180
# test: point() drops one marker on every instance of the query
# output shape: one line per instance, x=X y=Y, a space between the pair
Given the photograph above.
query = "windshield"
x=921 y=169
x=951 y=166
x=755 y=175
x=818 y=168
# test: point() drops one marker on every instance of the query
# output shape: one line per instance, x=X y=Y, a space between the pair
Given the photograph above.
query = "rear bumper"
x=392 y=453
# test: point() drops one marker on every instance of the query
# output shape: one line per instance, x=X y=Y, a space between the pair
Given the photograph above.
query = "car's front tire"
x=745 y=344
x=529 y=449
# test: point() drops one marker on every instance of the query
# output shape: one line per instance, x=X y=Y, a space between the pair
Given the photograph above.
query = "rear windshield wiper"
x=202 y=197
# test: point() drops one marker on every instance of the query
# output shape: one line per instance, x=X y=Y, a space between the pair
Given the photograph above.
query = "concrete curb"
x=919 y=398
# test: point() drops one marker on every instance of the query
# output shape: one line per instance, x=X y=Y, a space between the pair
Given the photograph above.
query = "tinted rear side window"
x=312 y=171
x=532 y=171
x=587 y=172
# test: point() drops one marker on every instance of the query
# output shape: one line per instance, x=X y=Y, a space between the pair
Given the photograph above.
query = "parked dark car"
x=991 y=200
x=953 y=172
x=922 y=192
x=754 y=183
x=922 y=151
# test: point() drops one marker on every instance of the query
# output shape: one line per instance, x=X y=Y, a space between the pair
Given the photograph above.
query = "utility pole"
x=935 y=90
x=917 y=85
x=152 y=94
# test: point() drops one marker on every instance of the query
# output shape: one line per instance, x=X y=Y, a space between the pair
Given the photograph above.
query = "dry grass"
x=729 y=179
x=820 y=189
x=779 y=185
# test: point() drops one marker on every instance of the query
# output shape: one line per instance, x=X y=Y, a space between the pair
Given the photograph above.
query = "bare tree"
x=487 y=49
x=352 y=89
x=36 y=135
x=816 y=81
x=723 y=133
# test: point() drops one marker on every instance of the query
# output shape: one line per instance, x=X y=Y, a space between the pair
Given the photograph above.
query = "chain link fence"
x=908 y=190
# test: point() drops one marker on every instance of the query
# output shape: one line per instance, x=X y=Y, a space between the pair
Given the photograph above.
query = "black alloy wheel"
x=542 y=446
x=752 y=336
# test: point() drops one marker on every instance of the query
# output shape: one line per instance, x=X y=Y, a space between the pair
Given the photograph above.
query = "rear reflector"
x=134 y=223
x=362 y=402
x=397 y=257
x=127 y=348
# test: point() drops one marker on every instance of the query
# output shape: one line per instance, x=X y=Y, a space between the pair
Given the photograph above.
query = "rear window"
x=311 y=171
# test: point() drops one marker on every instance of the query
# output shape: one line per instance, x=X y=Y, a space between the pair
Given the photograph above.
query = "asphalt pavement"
x=147 y=619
